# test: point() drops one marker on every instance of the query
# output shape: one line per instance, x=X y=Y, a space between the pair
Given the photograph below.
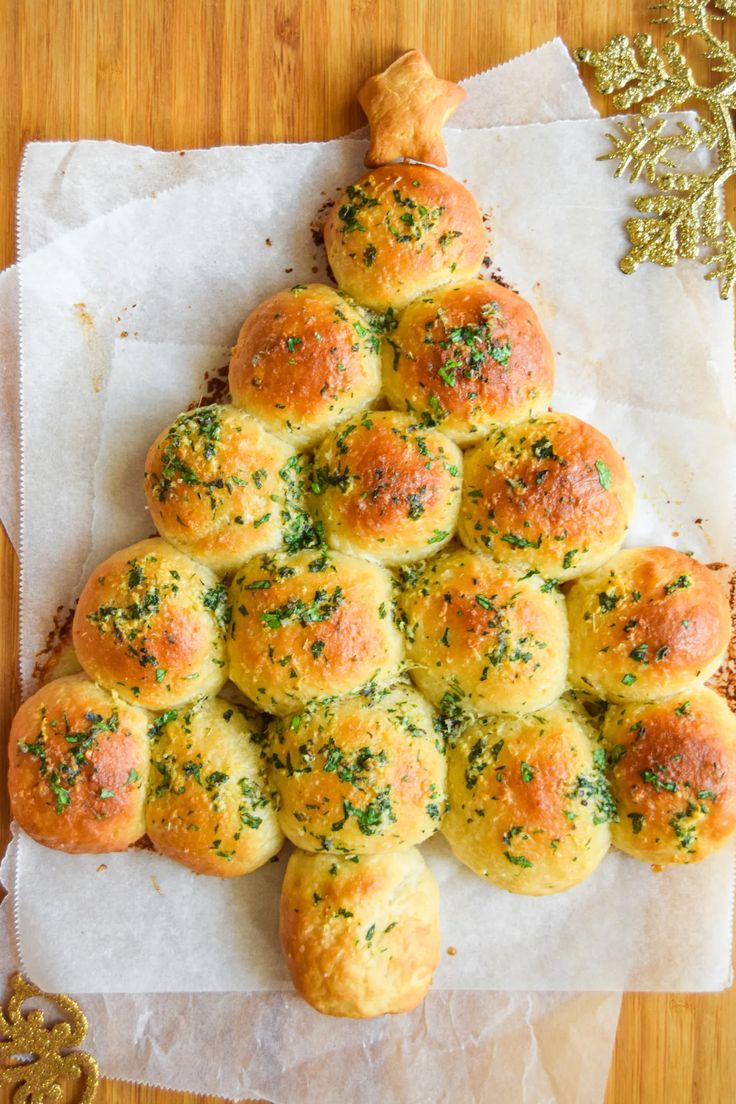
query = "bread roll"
x=648 y=624
x=150 y=625
x=359 y=776
x=400 y=231
x=311 y=625
x=468 y=358
x=673 y=775
x=480 y=637
x=209 y=804
x=387 y=488
x=78 y=767
x=551 y=494
x=305 y=359
x=360 y=936
x=529 y=801
x=213 y=488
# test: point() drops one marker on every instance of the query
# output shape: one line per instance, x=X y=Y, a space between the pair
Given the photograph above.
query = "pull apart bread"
x=416 y=637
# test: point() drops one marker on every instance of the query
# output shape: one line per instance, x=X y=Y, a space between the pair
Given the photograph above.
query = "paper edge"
x=533 y=50
x=22 y=628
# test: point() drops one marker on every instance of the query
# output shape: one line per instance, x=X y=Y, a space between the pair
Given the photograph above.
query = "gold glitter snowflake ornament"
x=36 y=1056
x=685 y=216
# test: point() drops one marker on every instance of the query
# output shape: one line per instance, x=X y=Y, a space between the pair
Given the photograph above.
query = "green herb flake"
x=604 y=474
x=518 y=860
x=682 y=582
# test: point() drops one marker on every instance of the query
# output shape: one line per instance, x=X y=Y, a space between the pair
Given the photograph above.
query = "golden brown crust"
x=646 y=625
x=359 y=776
x=552 y=494
x=209 y=804
x=529 y=802
x=150 y=625
x=78 y=767
x=673 y=775
x=361 y=938
x=305 y=359
x=471 y=356
x=400 y=231
x=480 y=637
x=407 y=107
x=387 y=488
x=311 y=625
x=213 y=488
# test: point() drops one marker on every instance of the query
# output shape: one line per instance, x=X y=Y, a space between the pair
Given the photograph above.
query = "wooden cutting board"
x=178 y=73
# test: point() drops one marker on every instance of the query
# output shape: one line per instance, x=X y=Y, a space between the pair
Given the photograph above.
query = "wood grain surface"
x=178 y=73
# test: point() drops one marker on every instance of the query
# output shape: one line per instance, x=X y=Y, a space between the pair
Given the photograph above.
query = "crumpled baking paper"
x=519 y=1047
x=117 y=312
x=540 y=86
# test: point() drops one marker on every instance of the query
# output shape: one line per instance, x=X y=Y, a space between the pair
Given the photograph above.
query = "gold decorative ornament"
x=685 y=216
x=33 y=1055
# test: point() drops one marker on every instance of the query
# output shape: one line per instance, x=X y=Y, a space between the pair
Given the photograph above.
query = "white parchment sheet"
x=540 y=86
x=113 y=318
x=516 y=1048
x=533 y=1048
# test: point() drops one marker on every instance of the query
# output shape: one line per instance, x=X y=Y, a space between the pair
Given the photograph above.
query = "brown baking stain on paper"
x=92 y=341
x=57 y=657
x=215 y=388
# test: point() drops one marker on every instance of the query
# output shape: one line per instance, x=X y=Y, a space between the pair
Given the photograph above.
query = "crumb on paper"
x=452 y=951
x=268 y=241
x=155 y=884
x=102 y=866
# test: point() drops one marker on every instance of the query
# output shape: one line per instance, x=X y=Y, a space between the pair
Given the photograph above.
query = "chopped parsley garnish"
x=608 y=602
x=522 y=542
x=215 y=600
x=437 y=536
x=604 y=474
x=519 y=860
x=680 y=583
x=323 y=606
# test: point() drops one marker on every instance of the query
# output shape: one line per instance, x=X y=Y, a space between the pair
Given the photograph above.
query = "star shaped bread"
x=407 y=106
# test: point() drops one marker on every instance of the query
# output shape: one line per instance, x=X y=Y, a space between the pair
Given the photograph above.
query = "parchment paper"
x=514 y=1047
x=518 y=1048
x=540 y=86
x=126 y=312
